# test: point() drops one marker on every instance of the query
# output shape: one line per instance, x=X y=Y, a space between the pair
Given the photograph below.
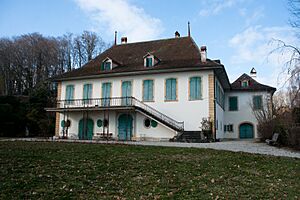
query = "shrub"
x=294 y=137
x=266 y=129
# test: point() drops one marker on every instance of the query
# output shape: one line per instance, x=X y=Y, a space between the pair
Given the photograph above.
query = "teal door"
x=86 y=127
x=125 y=127
x=246 y=131
x=126 y=92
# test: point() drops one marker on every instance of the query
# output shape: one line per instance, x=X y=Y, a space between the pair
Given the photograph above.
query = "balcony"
x=116 y=103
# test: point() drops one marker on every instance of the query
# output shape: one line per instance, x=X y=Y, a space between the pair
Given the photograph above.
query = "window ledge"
x=196 y=99
x=171 y=100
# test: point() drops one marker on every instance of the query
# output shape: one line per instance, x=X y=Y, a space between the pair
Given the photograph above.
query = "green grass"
x=41 y=170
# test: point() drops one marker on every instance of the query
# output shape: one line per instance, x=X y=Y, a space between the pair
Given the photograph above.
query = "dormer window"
x=245 y=83
x=106 y=65
x=149 y=62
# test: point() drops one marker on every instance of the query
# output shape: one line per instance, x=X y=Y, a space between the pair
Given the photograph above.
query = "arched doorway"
x=85 y=127
x=125 y=127
x=246 y=131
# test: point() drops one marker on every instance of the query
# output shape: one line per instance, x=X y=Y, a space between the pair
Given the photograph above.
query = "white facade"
x=244 y=113
x=182 y=109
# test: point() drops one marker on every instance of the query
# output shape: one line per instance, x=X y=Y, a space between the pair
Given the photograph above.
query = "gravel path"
x=248 y=146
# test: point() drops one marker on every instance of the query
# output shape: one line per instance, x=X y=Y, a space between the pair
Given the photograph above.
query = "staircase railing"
x=163 y=117
x=119 y=102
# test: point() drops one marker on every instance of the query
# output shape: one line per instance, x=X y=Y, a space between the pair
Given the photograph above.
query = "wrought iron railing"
x=119 y=102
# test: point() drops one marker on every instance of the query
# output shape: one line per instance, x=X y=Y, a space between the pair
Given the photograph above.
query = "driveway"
x=248 y=146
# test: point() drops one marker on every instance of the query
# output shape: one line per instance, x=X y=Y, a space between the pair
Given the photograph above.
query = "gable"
x=247 y=83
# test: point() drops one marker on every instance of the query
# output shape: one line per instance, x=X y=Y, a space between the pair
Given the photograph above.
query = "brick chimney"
x=203 y=54
x=123 y=40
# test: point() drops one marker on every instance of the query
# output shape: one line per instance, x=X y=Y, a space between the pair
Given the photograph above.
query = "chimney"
x=253 y=73
x=189 y=30
x=177 y=35
x=115 y=37
x=124 y=40
x=203 y=54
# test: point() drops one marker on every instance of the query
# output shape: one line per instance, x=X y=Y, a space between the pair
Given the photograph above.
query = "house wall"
x=139 y=131
x=57 y=115
x=75 y=117
x=219 y=121
x=244 y=112
x=160 y=132
x=191 y=112
x=219 y=117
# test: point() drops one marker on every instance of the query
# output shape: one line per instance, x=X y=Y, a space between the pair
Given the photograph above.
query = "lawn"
x=41 y=170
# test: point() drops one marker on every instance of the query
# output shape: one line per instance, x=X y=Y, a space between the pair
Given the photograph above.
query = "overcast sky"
x=238 y=32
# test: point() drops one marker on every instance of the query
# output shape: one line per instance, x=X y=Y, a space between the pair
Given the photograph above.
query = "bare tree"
x=89 y=43
x=78 y=52
x=30 y=59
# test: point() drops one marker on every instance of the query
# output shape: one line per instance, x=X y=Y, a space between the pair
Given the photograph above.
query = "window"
x=106 y=65
x=126 y=92
x=195 y=88
x=228 y=128
x=69 y=94
x=171 y=89
x=149 y=62
x=87 y=93
x=148 y=90
x=99 y=123
x=257 y=102
x=233 y=103
x=106 y=91
x=245 y=83
x=65 y=123
x=147 y=123
x=153 y=123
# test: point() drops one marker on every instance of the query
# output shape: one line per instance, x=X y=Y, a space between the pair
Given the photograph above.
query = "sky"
x=241 y=33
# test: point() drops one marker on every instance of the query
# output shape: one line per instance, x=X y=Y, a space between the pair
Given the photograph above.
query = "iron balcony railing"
x=120 y=102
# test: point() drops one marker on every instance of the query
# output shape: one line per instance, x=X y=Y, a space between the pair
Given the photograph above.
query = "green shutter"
x=171 y=87
x=192 y=89
x=257 y=102
x=174 y=89
x=126 y=88
x=106 y=90
x=233 y=103
x=87 y=93
x=126 y=92
x=90 y=91
x=198 y=88
x=148 y=90
x=69 y=94
x=168 y=89
x=195 y=88
x=102 y=66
